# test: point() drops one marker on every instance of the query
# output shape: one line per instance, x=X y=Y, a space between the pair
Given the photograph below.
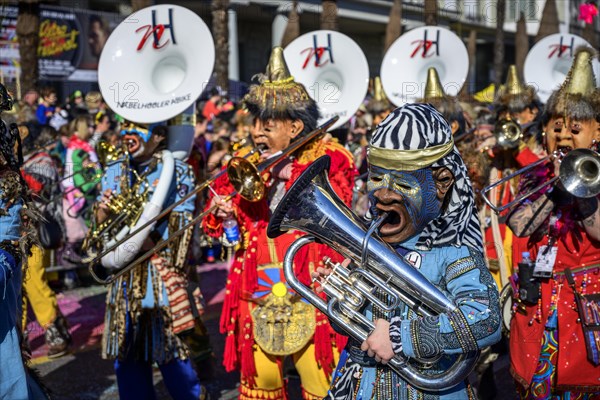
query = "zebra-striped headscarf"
x=420 y=126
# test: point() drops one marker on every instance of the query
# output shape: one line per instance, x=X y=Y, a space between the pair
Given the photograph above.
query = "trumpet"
x=313 y=207
x=508 y=133
x=244 y=176
x=579 y=173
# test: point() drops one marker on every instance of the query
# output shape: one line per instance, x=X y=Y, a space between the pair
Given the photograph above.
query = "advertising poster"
x=70 y=42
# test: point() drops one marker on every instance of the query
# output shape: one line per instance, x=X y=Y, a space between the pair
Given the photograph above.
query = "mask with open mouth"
x=135 y=146
x=410 y=198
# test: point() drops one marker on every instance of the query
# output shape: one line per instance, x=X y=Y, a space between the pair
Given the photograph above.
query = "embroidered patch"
x=414 y=259
x=183 y=190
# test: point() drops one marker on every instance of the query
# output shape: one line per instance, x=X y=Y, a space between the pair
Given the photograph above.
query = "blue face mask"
x=144 y=134
x=416 y=188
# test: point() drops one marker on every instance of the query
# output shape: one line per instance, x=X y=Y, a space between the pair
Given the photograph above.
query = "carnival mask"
x=412 y=199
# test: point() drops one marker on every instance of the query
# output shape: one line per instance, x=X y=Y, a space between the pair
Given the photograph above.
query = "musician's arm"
x=590 y=216
x=528 y=216
x=473 y=325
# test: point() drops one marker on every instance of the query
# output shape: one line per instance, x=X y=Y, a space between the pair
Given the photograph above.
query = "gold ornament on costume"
x=283 y=323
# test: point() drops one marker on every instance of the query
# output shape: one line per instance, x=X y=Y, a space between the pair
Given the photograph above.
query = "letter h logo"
x=318 y=53
x=426 y=46
x=157 y=30
x=560 y=48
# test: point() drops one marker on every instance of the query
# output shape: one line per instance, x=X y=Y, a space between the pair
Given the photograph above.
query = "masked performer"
x=17 y=234
x=417 y=175
x=257 y=301
x=148 y=309
x=547 y=340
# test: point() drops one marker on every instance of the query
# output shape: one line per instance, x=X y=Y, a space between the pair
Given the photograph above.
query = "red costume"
x=243 y=288
x=574 y=372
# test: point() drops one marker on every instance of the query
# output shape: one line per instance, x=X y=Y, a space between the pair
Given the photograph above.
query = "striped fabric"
x=420 y=126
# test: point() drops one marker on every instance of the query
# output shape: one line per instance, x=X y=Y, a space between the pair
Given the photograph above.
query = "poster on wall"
x=70 y=42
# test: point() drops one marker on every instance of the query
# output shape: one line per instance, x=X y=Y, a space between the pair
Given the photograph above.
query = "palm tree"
x=221 y=37
x=137 y=5
x=472 y=54
x=28 y=33
x=549 y=21
x=521 y=45
x=499 y=43
x=430 y=12
x=292 y=29
x=393 y=30
x=329 y=15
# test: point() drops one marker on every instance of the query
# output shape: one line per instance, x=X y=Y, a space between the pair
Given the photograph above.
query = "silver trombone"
x=579 y=173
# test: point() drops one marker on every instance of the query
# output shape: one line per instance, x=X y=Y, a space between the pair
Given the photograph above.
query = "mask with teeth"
x=410 y=197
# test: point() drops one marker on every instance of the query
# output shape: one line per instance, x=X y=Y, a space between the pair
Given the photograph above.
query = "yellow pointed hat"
x=277 y=69
x=514 y=95
x=576 y=98
x=379 y=102
x=434 y=94
x=513 y=85
x=278 y=95
x=581 y=79
x=433 y=86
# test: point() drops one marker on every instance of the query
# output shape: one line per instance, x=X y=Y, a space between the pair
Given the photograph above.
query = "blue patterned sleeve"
x=475 y=323
x=184 y=184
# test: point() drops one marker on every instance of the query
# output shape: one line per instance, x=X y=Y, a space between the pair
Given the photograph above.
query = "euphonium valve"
x=313 y=207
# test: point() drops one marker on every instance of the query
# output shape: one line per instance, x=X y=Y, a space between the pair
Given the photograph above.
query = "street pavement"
x=84 y=375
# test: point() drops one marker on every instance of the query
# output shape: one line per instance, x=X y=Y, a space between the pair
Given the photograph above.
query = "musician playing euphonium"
x=258 y=306
x=547 y=342
x=148 y=310
x=418 y=177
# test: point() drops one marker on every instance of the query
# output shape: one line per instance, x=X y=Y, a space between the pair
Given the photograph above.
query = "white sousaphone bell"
x=152 y=69
x=405 y=64
x=334 y=71
x=549 y=61
x=155 y=63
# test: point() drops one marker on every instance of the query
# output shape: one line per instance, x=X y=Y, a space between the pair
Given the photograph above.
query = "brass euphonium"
x=312 y=206
x=124 y=209
x=108 y=153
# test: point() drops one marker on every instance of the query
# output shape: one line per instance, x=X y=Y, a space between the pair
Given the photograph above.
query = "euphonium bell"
x=108 y=153
x=313 y=207
x=508 y=133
